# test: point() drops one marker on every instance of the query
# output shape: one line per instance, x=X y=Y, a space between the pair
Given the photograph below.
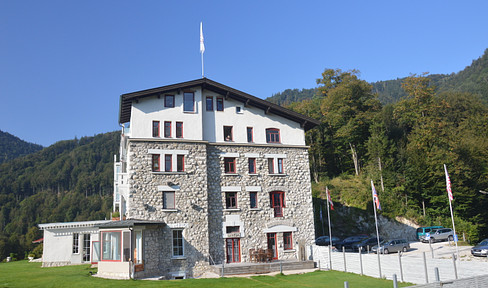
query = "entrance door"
x=272 y=245
x=233 y=250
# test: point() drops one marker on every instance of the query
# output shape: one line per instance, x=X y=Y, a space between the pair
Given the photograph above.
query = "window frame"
x=171 y=99
x=273 y=135
x=231 y=200
x=252 y=166
x=185 y=103
x=165 y=203
x=86 y=247
x=253 y=195
x=76 y=243
x=220 y=104
x=156 y=128
x=230 y=165
x=156 y=162
x=278 y=209
x=167 y=129
x=168 y=159
x=250 y=134
x=103 y=243
x=287 y=241
x=228 y=131
x=180 y=245
x=179 y=129
x=209 y=105
x=180 y=163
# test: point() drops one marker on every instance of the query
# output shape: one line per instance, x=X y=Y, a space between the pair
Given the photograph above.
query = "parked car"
x=349 y=241
x=366 y=244
x=481 y=249
x=324 y=241
x=421 y=231
x=392 y=246
x=442 y=234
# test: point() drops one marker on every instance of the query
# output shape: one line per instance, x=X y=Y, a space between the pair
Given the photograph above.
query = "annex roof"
x=63 y=225
x=248 y=100
x=128 y=223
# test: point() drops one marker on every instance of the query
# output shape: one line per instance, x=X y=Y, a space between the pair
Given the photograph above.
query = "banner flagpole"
x=376 y=202
x=330 y=233
x=449 y=194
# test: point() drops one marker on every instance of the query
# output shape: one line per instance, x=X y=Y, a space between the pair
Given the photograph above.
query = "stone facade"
x=201 y=205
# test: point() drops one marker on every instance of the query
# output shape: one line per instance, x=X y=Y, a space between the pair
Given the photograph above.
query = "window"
x=138 y=248
x=180 y=163
x=228 y=133
x=155 y=162
x=169 y=101
x=76 y=243
x=277 y=199
x=167 y=129
x=270 y=165
x=287 y=241
x=209 y=104
x=233 y=250
x=231 y=229
x=238 y=109
x=220 y=104
x=231 y=200
x=230 y=165
x=168 y=200
x=86 y=247
x=155 y=129
x=254 y=199
x=252 y=165
x=179 y=129
x=249 y=134
x=178 y=243
x=272 y=135
x=188 y=102
x=168 y=161
x=111 y=246
x=275 y=166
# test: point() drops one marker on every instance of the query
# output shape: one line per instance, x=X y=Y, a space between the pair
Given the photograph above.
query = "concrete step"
x=260 y=268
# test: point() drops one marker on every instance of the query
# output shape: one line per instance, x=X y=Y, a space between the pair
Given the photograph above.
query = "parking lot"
x=412 y=263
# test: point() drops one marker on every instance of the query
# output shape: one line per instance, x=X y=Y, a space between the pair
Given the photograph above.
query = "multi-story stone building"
x=206 y=174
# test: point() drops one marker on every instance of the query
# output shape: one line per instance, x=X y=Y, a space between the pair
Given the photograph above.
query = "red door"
x=272 y=245
x=233 y=250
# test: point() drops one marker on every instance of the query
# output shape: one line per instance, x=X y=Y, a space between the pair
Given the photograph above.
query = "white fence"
x=413 y=268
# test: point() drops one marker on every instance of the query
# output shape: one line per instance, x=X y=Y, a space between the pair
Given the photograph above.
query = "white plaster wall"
x=214 y=121
x=152 y=109
x=58 y=244
x=209 y=125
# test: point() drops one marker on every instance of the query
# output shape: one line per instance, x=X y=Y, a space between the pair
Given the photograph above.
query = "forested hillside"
x=401 y=147
x=68 y=181
x=473 y=79
x=12 y=147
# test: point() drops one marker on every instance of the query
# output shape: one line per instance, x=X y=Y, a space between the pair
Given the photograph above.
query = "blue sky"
x=64 y=64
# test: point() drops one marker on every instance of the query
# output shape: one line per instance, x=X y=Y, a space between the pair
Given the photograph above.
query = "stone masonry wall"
x=298 y=198
x=191 y=214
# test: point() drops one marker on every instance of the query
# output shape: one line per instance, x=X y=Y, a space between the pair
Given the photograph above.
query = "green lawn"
x=25 y=274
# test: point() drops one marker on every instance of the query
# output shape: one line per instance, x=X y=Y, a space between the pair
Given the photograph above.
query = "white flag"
x=202 y=46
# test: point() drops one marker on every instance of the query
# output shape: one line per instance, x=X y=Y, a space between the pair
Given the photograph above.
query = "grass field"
x=25 y=274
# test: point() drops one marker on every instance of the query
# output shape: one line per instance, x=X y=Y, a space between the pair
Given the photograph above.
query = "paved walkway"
x=412 y=262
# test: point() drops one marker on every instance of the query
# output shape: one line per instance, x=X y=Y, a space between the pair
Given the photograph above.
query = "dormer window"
x=272 y=135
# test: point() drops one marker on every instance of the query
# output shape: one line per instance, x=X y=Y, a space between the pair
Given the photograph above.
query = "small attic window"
x=238 y=109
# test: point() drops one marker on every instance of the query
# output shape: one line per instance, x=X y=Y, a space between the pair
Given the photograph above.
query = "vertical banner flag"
x=448 y=185
x=202 y=46
x=376 y=200
x=329 y=200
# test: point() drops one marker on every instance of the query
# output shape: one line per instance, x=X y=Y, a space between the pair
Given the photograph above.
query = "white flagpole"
x=449 y=195
x=330 y=233
x=376 y=222
x=202 y=45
